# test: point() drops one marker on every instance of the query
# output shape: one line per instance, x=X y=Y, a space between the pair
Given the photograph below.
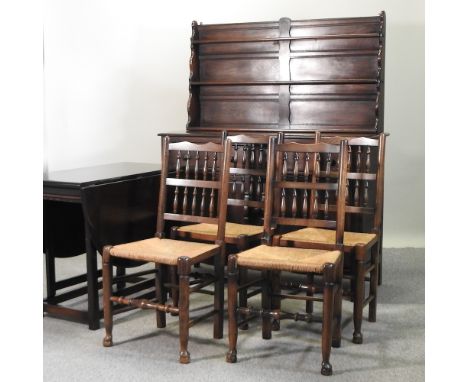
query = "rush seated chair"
x=289 y=188
x=183 y=254
x=246 y=200
x=364 y=200
x=247 y=191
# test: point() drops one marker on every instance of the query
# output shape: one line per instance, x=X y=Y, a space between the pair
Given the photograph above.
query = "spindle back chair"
x=250 y=155
x=185 y=206
x=364 y=197
x=246 y=200
x=288 y=180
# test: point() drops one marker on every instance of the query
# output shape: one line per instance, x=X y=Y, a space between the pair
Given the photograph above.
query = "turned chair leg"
x=374 y=277
x=327 y=325
x=107 y=292
x=160 y=295
x=358 y=301
x=266 y=304
x=231 y=355
x=184 y=268
x=219 y=295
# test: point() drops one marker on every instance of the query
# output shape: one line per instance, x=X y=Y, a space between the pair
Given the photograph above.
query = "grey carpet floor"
x=393 y=348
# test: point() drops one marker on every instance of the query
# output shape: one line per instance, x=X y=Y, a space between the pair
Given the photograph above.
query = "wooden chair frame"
x=365 y=256
x=332 y=272
x=247 y=168
x=184 y=263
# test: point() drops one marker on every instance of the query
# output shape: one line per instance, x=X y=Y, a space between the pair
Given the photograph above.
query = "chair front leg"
x=184 y=268
x=231 y=355
x=327 y=324
x=107 y=293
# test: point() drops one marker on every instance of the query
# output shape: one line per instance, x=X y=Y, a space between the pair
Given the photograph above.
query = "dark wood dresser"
x=290 y=76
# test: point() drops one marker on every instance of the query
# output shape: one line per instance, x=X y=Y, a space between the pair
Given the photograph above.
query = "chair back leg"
x=233 y=274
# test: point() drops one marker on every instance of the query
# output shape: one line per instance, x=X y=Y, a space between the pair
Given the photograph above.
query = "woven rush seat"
x=327 y=236
x=287 y=259
x=233 y=230
x=162 y=251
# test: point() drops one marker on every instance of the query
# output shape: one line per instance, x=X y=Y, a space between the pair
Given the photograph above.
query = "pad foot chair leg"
x=327 y=325
x=326 y=369
x=107 y=292
x=231 y=355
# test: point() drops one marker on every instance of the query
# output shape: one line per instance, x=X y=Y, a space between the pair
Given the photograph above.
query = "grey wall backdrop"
x=108 y=92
